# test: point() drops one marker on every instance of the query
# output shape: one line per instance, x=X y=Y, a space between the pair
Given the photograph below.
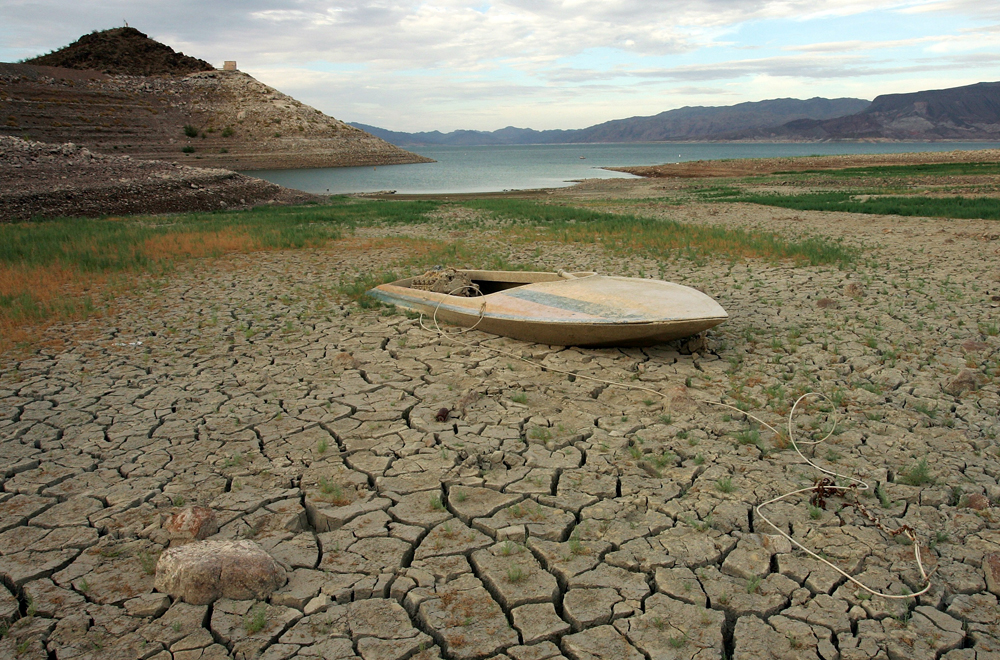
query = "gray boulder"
x=202 y=572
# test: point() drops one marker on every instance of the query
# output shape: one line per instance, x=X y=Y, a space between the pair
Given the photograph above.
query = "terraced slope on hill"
x=207 y=119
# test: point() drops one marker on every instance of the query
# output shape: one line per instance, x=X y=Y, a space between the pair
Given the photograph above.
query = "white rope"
x=856 y=484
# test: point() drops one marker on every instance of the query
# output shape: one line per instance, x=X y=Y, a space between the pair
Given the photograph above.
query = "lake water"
x=494 y=169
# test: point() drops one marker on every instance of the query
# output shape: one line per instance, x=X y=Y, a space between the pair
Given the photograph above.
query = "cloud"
x=427 y=64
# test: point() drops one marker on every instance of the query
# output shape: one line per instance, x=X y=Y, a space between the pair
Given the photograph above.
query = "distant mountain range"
x=971 y=112
x=688 y=123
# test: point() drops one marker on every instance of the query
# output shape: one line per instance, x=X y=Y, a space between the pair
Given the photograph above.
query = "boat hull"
x=591 y=310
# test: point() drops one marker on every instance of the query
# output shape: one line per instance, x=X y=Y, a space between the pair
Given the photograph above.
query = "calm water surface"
x=493 y=169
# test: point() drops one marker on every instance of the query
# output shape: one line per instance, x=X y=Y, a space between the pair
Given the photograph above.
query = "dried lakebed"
x=548 y=516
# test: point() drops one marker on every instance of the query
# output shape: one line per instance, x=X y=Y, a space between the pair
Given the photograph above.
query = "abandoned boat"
x=562 y=309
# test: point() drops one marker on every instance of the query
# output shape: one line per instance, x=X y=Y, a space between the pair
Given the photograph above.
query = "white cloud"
x=427 y=64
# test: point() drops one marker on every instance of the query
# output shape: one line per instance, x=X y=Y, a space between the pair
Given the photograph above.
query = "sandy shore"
x=754 y=166
x=547 y=517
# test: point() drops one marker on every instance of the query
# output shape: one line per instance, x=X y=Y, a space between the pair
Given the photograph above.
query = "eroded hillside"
x=208 y=119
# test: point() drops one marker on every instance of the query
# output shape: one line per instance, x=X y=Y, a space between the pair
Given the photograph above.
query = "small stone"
x=515 y=533
x=977 y=502
x=991 y=566
x=320 y=603
x=148 y=605
x=967 y=380
x=854 y=290
x=195 y=523
x=202 y=572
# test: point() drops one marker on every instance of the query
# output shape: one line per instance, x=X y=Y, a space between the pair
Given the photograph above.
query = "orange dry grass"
x=45 y=294
x=193 y=245
x=53 y=293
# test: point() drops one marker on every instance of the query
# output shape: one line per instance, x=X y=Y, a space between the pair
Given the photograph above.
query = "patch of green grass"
x=987 y=208
x=256 y=619
x=916 y=475
x=633 y=235
x=725 y=485
x=148 y=562
x=539 y=432
x=69 y=268
x=930 y=169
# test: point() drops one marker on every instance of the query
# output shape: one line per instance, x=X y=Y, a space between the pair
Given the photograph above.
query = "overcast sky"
x=449 y=64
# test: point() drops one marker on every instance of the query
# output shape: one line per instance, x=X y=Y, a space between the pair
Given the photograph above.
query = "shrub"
x=188 y=149
x=190 y=131
x=228 y=131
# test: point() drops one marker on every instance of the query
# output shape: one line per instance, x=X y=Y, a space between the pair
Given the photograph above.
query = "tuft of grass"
x=519 y=397
x=148 y=562
x=256 y=619
x=334 y=491
x=515 y=574
x=725 y=485
x=917 y=475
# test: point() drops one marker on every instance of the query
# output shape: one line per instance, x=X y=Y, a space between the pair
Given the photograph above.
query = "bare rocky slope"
x=40 y=180
x=207 y=118
x=971 y=112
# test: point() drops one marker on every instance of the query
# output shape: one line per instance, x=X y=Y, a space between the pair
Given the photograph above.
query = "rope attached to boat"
x=822 y=487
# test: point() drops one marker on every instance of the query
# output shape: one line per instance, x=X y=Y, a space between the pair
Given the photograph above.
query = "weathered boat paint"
x=586 y=310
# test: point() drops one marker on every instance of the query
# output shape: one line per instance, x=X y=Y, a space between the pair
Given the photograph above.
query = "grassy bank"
x=68 y=269
x=660 y=239
x=986 y=208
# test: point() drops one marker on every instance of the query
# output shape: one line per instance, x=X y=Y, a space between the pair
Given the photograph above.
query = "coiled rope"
x=821 y=487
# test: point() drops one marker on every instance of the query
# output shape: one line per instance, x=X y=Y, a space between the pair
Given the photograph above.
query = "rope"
x=821 y=487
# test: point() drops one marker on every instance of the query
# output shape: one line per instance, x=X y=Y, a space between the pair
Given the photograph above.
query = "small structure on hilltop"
x=229 y=65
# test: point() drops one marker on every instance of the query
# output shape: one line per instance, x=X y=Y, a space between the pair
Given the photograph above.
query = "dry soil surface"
x=547 y=516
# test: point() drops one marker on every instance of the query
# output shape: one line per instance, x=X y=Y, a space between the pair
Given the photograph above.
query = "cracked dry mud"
x=547 y=517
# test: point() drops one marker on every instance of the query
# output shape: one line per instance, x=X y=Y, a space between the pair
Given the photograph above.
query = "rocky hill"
x=123 y=51
x=971 y=112
x=39 y=180
x=206 y=119
x=682 y=124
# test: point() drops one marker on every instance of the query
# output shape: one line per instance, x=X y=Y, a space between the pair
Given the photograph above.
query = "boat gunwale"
x=386 y=295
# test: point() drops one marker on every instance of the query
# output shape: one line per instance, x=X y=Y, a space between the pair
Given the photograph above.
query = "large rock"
x=201 y=573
